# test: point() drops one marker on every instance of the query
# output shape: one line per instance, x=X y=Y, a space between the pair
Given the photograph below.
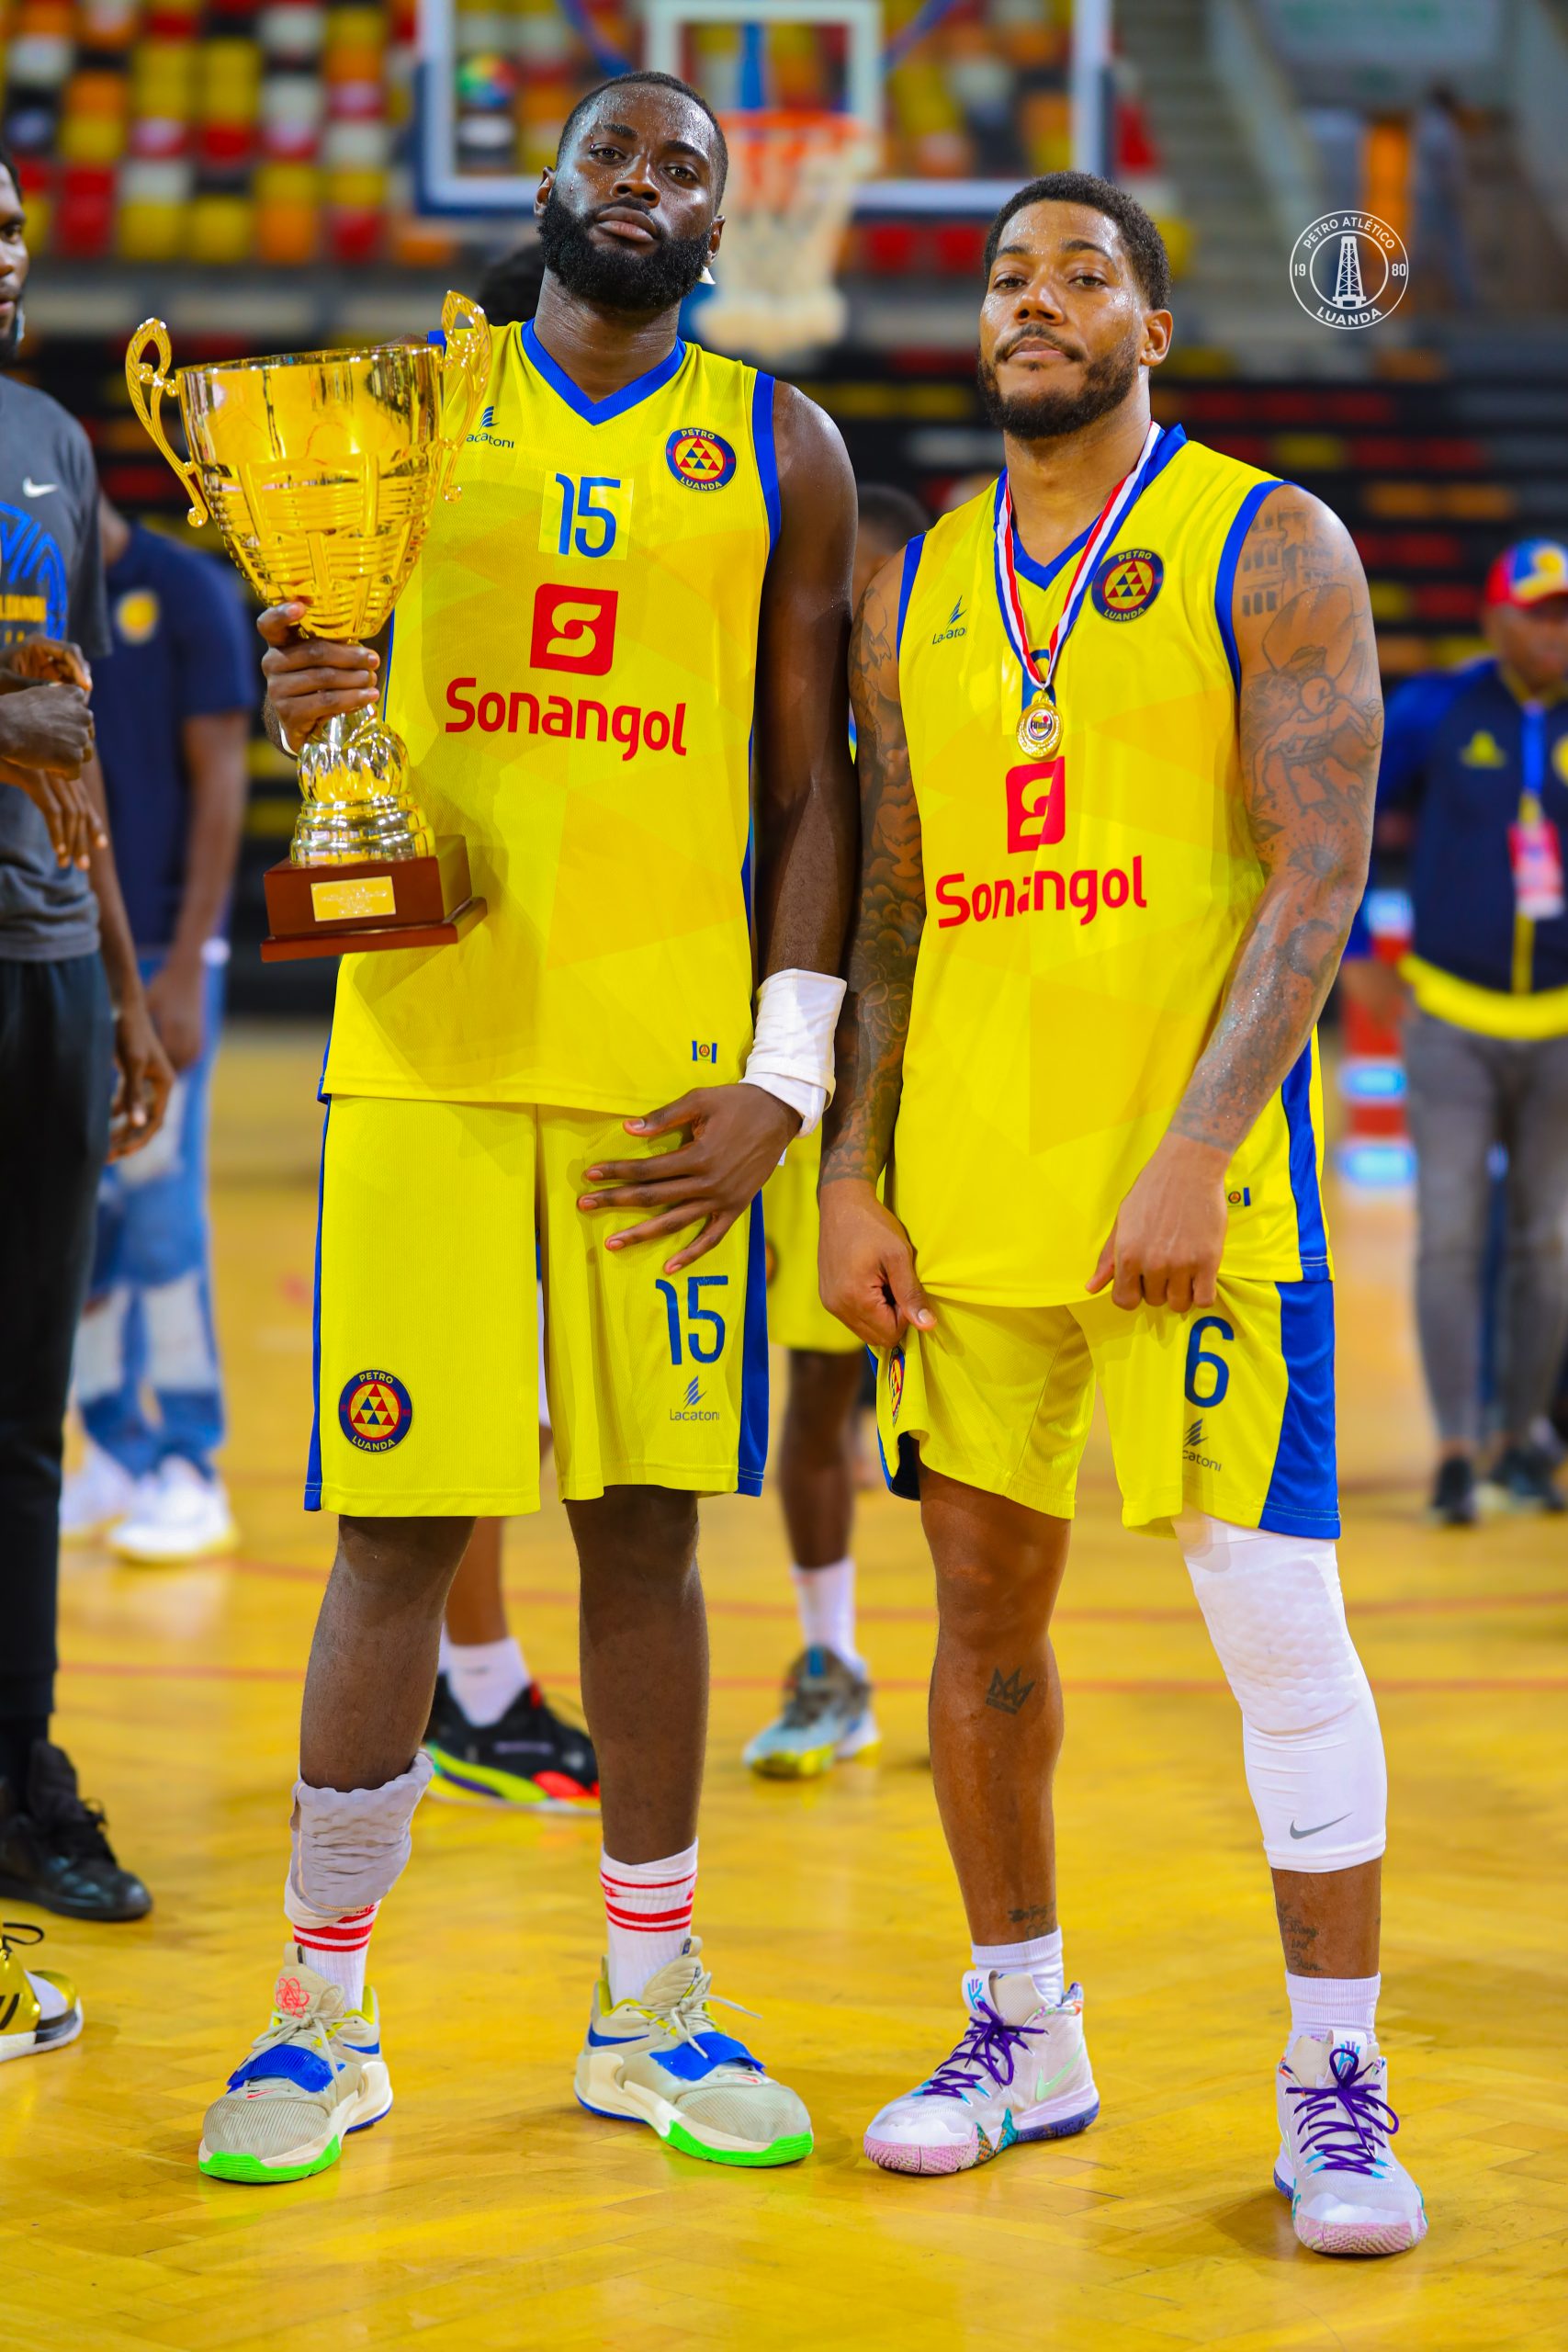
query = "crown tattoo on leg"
x=1010 y=1695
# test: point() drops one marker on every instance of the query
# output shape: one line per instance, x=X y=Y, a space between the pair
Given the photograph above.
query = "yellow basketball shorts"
x=438 y=1224
x=1227 y=1410
x=797 y=1317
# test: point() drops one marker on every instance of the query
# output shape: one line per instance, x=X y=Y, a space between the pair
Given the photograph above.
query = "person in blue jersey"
x=173 y=703
x=1477 y=756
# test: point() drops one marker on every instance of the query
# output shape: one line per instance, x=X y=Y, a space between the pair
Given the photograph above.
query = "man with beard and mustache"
x=650 y=558
x=1118 y=723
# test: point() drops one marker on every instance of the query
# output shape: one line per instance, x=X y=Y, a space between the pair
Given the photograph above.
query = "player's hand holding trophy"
x=321 y=472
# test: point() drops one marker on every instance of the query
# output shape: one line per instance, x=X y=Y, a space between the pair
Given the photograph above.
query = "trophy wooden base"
x=380 y=902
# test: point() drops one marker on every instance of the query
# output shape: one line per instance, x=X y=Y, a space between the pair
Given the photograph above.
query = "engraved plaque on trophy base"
x=349 y=909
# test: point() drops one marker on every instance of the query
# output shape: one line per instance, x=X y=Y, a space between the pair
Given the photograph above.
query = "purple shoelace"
x=1348 y=2123
x=988 y=2047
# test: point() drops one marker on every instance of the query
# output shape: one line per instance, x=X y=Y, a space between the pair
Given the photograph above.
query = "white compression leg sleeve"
x=350 y=1844
x=1310 y=1737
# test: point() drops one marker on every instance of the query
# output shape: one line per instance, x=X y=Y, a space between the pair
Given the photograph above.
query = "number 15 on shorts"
x=705 y=1328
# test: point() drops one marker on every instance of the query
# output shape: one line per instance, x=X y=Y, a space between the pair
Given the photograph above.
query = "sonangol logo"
x=375 y=1411
x=895 y=1382
x=1127 y=583
x=574 y=630
x=703 y=460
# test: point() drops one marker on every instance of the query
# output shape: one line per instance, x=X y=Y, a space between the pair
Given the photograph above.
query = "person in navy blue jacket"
x=1478 y=757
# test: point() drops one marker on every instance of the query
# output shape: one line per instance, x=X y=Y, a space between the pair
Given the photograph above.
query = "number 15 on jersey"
x=587 y=514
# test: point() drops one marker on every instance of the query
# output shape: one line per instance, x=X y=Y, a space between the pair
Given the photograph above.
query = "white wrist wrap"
x=791 y=1047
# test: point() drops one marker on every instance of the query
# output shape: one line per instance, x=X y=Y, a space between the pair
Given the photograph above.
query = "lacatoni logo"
x=1043 y=892
x=520 y=712
x=574 y=628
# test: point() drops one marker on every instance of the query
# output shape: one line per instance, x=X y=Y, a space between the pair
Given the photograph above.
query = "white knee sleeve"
x=351 y=1844
x=1309 y=1737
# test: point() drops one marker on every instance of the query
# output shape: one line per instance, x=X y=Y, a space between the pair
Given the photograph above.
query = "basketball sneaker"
x=39 y=2010
x=94 y=1497
x=826 y=1718
x=530 y=1756
x=1021 y=2072
x=659 y=2058
x=316 y=2074
x=176 y=1514
x=1349 y=2192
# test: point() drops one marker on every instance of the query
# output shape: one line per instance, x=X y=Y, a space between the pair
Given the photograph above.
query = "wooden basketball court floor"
x=488 y=2211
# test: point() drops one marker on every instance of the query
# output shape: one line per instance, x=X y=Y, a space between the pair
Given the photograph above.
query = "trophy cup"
x=320 y=472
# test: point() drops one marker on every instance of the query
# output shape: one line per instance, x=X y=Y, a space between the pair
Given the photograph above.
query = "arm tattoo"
x=1311 y=721
x=891 y=910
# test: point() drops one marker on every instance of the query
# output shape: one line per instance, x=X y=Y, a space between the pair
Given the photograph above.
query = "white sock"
x=826 y=1598
x=648 y=1914
x=335 y=1943
x=1039 y=1958
x=486 y=1677
x=1322 y=2004
x=443 y=1659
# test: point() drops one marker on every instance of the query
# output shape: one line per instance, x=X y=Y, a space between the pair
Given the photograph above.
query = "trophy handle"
x=142 y=377
x=467 y=354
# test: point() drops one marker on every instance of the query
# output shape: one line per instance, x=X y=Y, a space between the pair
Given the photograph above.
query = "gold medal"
x=1040 y=728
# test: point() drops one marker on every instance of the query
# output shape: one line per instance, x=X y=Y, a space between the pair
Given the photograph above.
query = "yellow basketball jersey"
x=1082 y=910
x=572 y=670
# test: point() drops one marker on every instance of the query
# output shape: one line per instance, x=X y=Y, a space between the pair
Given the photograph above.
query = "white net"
x=787 y=205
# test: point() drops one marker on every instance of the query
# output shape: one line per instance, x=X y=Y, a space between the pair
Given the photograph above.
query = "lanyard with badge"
x=1040 y=728
x=1534 y=851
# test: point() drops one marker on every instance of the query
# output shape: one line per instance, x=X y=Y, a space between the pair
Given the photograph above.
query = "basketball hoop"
x=792 y=175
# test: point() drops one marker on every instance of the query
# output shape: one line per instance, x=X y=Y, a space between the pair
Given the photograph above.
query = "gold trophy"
x=321 y=472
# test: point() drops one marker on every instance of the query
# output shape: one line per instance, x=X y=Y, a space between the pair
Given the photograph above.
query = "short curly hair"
x=1146 y=246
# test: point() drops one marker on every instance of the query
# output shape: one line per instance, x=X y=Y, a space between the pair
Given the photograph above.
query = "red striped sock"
x=648 y=1911
x=335 y=1943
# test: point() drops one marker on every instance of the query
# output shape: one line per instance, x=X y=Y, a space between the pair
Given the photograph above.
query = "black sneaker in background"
x=53 y=1851
x=1453 y=1498
x=531 y=1757
x=1522 y=1477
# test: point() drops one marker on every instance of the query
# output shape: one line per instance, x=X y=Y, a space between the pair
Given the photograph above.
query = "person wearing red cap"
x=1478 y=758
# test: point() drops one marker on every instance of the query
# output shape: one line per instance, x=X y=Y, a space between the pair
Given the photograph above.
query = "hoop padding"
x=793 y=177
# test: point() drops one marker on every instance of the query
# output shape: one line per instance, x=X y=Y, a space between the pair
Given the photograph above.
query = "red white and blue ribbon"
x=1122 y=499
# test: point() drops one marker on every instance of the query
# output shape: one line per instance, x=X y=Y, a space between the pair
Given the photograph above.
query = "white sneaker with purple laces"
x=1349 y=2192
x=1021 y=2072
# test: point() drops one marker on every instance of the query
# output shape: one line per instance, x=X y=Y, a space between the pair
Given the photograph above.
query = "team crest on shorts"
x=375 y=1411
x=703 y=460
x=1127 y=583
x=895 y=1382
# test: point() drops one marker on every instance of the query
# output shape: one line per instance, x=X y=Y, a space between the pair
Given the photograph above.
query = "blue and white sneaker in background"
x=659 y=2058
x=825 y=1718
x=1021 y=2072
x=1349 y=2192
x=316 y=2074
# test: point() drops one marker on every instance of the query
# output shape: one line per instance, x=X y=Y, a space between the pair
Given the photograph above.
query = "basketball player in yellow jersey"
x=1118 y=724
x=650 y=559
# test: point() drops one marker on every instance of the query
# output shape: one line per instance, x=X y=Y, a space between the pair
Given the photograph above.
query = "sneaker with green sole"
x=315 y=2075
x=659 y=2058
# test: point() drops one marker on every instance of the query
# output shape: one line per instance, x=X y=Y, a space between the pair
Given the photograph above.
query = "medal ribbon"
x=1122 y=499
